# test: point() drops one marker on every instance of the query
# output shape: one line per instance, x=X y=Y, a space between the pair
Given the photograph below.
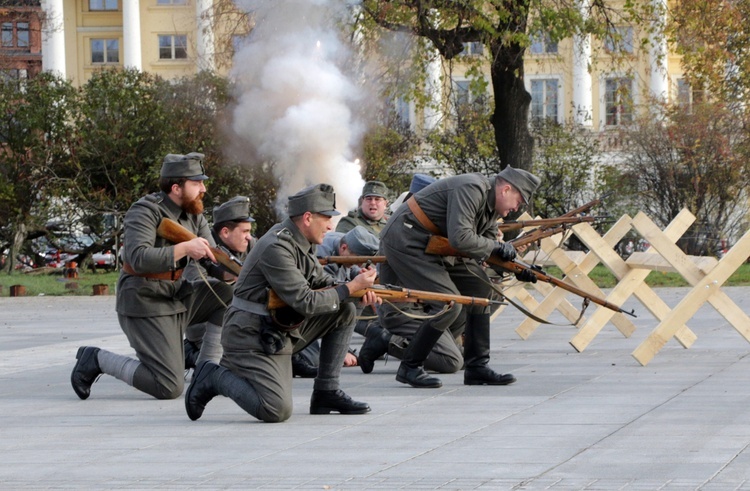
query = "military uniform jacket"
x=355 y=217
x=284 y=260
x=146 y=252
x=463 y=209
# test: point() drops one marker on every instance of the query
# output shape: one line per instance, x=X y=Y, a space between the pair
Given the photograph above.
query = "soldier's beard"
x=195 y=206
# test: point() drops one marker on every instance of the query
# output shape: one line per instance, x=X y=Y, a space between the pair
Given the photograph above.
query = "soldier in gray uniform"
x=465 y=209
x=371 y=210
x=356 y=242
x=232 y=228
x=256 y=369
x=154 y=304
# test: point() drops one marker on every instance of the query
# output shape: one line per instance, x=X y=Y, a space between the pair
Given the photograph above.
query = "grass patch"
x=54 y=283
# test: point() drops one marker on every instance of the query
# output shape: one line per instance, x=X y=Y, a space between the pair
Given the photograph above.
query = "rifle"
x=176 y=233
x=398 y=294
x=557 y=227
x=350 y=260
x=440 y=246
x=543 y=223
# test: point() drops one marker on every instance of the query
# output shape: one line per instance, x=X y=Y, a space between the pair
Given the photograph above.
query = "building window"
x=473 y=48
x=545 y=99
x=105 y=51
x=171 y=2
x=618 y=101
x=13 y=74
x=619 y=40
x=7 y=35
x=22 y=34
x=687 y=96
x=541 y=44
x=403 y=111
x=172 y=47
x=103 y=5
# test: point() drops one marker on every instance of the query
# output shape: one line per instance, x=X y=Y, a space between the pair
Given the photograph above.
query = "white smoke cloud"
x=295 y=103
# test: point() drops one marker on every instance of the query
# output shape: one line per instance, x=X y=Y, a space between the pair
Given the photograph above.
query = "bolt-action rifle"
x=394 y=293
x=176 y=233
x=554 y=225
x=440 y=246
x=351 y=260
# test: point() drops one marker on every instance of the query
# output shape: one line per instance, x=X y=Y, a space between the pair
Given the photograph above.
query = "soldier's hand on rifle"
x=365 y=279
x=505 y=251
x=526 y=275
x=196 y=248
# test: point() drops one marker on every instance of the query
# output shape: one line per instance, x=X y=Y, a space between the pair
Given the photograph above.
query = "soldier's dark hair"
x=230 y=224
x=166 y=183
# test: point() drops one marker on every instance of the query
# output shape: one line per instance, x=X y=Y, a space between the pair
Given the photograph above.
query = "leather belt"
x=421 y=217
x=249 y=306
x=166 y=275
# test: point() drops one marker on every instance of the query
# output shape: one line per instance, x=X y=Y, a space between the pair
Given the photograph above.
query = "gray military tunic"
x=463 y=209
x=284 y=260
x=355 y=217
x=154 y=312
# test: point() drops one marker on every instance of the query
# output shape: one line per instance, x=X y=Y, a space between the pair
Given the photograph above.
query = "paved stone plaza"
x=592 y=420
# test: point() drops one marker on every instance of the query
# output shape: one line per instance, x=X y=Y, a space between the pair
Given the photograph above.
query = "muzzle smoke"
x=294 y=107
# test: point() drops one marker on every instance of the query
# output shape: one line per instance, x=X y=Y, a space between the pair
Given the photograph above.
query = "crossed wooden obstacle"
x=705 y=274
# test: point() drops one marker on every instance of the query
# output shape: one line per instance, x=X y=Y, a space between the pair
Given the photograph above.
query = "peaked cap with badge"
x=188 y=166
x=318 y=198
x=236 y=209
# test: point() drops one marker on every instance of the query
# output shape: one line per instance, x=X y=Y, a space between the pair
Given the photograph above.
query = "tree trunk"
x=512 y=101
x=19 y=236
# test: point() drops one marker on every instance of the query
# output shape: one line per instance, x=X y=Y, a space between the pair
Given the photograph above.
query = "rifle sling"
x=423 y=219
x=531 y=315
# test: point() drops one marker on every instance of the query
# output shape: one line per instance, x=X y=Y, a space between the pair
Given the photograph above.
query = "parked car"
x=105 y=260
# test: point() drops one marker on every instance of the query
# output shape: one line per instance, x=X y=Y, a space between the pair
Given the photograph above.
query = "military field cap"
x=419 y=182
x=374 y=188
x=524 y=181
x=188 y=166
x=236 y=209
x=361 y=241
x=318 y=198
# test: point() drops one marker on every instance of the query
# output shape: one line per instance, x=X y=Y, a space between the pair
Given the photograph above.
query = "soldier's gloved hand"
x=526 y=275
x=505 y=251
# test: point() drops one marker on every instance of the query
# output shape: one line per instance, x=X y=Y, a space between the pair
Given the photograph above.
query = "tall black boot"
x=375 y=346
x=410 y=371
x=477 y=354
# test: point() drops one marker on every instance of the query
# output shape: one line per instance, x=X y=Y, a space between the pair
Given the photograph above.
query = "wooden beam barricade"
x=631 y=281
x=705 y=274
x=706 y=288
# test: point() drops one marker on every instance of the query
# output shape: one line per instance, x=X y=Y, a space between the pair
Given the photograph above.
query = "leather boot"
x=85 y=371
x=325 y=401
x=410 y=371
x=191 y=351
x=201 y=389
x=477 y=354
x=375 y=346
x=302 y=368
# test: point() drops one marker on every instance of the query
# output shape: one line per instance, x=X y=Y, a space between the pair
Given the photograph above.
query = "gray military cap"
x=374 y=188
x=236 y=209
x=419 y=182
x=361 y=241
x=524 y=181
x=188 y=166
x=318 y=198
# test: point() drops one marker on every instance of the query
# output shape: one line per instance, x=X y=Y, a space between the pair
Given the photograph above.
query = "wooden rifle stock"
x=440 y=246
x=398 y=294
x=350 y=260
x=176 y=233
x=544 y=222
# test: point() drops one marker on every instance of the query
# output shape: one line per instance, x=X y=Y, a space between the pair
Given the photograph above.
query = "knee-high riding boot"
x=410 y=371
x=477 y=354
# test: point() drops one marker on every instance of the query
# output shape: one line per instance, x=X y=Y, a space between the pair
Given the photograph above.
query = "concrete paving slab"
x=595 y=420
